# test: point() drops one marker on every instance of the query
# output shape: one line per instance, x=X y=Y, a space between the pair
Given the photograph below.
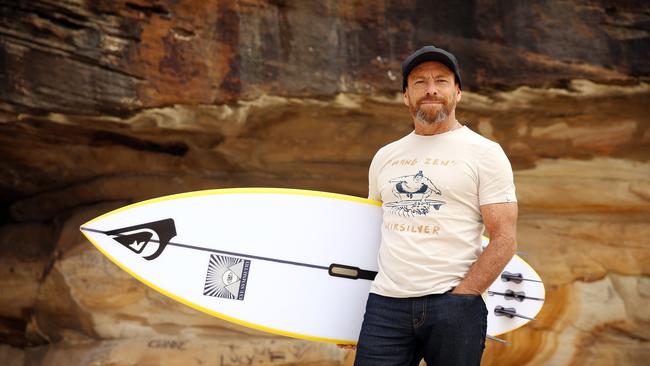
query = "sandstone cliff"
x=104 y=103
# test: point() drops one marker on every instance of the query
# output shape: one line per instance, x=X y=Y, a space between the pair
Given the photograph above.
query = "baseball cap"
x=429 y=53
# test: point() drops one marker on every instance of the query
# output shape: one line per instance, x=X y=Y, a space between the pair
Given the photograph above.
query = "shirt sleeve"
x=373 y=172
x=496 y=181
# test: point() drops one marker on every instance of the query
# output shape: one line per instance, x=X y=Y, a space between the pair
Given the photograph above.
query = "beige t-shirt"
x=431 y=188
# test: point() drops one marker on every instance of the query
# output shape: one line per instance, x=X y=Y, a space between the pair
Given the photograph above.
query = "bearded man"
x=426 y=301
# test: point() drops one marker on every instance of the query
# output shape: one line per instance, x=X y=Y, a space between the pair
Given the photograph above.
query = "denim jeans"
x=444 y=329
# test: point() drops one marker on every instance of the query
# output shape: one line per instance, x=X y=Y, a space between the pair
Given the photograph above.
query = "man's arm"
x=501 y=223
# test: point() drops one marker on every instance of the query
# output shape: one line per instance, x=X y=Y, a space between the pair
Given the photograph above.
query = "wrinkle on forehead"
x=431 y=68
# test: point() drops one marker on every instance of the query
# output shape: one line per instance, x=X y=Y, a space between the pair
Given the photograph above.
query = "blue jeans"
x=444 y=329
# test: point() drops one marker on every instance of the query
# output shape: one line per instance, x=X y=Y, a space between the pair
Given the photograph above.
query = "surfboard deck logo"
x=148 y=239
x=291 y=262
x=226 y=277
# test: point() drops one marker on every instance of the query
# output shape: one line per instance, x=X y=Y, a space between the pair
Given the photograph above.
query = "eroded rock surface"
x=106 y=103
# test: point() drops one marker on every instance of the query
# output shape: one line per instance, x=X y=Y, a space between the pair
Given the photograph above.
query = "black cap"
x=429 y=53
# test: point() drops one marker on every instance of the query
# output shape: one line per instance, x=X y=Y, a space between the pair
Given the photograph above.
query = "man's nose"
x=431 y=88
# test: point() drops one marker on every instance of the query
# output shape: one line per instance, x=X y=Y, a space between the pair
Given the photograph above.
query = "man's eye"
x=442 y=81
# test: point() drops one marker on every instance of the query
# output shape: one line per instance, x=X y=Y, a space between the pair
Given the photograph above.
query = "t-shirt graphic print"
x=415 y=195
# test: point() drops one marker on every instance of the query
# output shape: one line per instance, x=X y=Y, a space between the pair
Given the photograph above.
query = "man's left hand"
x=460 y=291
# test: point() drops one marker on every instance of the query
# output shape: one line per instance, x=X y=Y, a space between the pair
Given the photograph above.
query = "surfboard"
x=291 y=262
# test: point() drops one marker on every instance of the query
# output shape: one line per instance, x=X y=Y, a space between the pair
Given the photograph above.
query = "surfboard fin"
x=509 y=312
x=515 y=277
x=354 y=273
x=512 y=295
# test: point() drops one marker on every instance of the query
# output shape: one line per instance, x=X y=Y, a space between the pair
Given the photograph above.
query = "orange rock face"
x=105 y=103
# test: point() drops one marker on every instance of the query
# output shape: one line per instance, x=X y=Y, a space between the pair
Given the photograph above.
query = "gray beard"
x=422 y=117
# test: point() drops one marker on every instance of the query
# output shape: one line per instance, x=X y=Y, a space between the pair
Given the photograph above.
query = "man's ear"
x=458 y=95
x=406 y=97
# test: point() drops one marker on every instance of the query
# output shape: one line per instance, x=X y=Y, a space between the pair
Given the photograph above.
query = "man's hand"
x=501 y=223
x=462 y=291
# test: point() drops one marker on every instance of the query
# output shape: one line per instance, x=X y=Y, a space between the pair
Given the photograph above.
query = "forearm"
x=488 y=266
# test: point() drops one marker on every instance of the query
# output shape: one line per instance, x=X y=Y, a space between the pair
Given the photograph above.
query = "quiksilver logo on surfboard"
x=226 y=277
x=147 y=240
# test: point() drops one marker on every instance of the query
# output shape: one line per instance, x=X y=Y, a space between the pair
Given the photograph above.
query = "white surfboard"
x=291 y=262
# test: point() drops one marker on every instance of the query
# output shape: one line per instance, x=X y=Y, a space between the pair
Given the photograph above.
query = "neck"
x=427 y=129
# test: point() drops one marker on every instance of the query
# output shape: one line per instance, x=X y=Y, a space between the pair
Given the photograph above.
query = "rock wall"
x=104 y=103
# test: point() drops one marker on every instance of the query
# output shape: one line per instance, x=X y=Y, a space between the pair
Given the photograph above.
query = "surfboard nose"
x=147 y=240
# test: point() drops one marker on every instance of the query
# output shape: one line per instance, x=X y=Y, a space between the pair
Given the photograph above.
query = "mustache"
x=431 y=100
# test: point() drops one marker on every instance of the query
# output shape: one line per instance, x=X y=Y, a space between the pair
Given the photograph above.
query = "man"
x=426 y=299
